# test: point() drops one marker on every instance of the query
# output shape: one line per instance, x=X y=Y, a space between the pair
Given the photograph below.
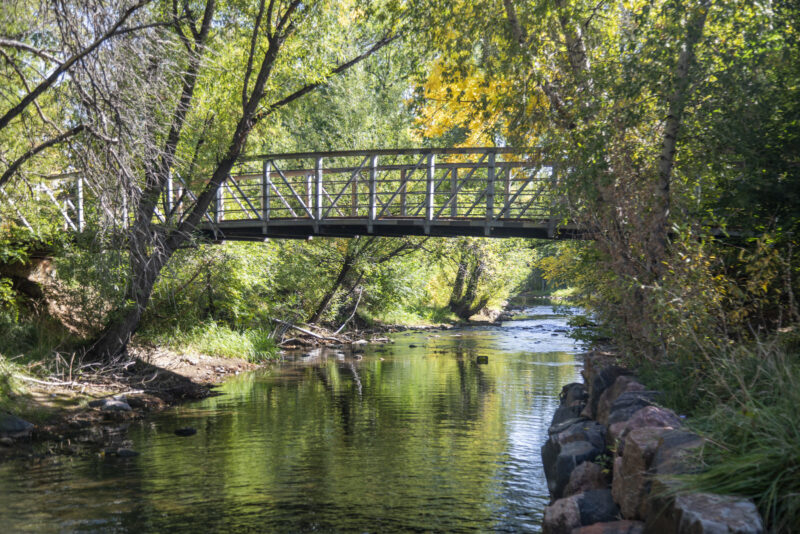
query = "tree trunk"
x=113 y=341
x=144 y=236
x=456 y=294
x=666 y=162
x=347 y=265
x=463 y=302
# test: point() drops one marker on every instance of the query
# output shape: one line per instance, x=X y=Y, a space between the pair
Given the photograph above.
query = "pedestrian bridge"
x=493 y=192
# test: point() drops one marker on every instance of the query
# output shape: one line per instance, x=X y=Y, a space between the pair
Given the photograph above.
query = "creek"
x=409 y=436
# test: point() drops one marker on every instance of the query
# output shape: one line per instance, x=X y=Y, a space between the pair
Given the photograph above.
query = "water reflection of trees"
x=335 y=435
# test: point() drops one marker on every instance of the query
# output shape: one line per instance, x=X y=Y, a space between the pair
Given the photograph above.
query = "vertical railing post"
x=373 y=192
x=265 y=187
x=490 y=176
x=81 y=221
x=508 y=187
x=454 y=192
x=354 y=195
x=403 y=193
x=551 y=223
x=219 y=207
x=318 y=194
x=125 y=218
x=309 y=194
x=430 y=190
x=168 y=196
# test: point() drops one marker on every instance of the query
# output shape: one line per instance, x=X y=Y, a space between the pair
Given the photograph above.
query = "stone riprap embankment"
x=608 y=459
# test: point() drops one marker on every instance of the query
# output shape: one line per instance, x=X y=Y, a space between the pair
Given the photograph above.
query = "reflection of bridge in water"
x=495 y=192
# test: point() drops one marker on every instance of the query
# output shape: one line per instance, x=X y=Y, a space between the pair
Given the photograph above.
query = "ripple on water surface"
x=404 y=439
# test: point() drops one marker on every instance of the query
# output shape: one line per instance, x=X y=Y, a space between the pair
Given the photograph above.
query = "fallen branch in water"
x=360 y=292
x=306 y=332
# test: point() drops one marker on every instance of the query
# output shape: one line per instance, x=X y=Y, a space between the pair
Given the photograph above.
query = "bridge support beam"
x=219 y=206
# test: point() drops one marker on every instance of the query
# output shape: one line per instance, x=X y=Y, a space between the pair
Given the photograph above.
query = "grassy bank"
x=744 y=399
x=214 y=339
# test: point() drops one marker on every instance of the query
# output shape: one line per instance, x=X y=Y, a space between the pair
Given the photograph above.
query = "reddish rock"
x=705 y=513
x=587 y=476
x=573 y=394
x=631 y=484
x=598 y=380
x=628 y=403
x=674 y=451
x=569 y=445
x=649 y=416
x=562 y=516
x=614 y=527
x=622 y=384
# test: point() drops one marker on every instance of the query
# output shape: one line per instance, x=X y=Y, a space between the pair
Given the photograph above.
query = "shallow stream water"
x=410 y=436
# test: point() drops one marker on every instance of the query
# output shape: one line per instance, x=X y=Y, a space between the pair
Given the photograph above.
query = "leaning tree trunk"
x=467 y=304
x=347 y=266
x=146 y=267
x=114 y=339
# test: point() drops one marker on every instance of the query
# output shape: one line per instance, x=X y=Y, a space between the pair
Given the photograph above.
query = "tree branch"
x=312 y=86
x=35 y=150
x=253 y=40
x=10 y=43
x=66 y=65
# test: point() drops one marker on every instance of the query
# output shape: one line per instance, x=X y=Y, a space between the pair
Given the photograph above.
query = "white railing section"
x=489 y=187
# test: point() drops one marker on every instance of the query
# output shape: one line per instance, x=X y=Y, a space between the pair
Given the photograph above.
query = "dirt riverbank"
x=75 y=417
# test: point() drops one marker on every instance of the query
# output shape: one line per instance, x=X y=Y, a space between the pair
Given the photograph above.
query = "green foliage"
x=213 y=339
x=748 y=409
x=33 y=340
x=231 y=284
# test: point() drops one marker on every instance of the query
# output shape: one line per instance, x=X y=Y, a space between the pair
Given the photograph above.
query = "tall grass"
x=214 y=339
x=33 y=340
x=750 y=412
x=8 y=384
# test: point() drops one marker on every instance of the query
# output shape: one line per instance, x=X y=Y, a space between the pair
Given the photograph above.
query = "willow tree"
x=190 y=96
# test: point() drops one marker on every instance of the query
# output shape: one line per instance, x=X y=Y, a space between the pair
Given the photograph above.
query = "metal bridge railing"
x=489 y=187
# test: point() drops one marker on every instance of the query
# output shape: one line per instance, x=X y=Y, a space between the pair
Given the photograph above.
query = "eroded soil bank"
x=90 y=415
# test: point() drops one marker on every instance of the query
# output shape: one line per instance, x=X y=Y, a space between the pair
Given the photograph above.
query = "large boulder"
x=649 y=416
x=111 y=405
x=570 y=457
x=565 y=413
x=674 y=455
x=674 y=451
x=628 y=403
x=613 y=527
x=598 y=380
x=631 y=483
x=564 y=515
x=573 y=394
x=572 y=400
x=705 y=513
x=570 y=444
x=12 y=426
x=623 y=384
x=585 y=477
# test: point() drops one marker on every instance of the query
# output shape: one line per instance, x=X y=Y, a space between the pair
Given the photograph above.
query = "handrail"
x=390 y=152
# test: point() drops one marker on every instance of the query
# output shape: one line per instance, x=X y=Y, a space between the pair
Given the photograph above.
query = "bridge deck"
x=256 y=230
